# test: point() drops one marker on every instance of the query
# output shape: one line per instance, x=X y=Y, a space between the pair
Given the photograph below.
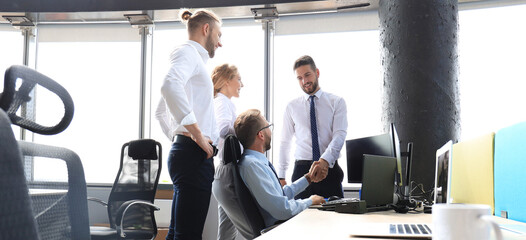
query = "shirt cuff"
x=302 y=182
x=328 y=158
x=189 y=119
x=281 y=173
x=308 y=201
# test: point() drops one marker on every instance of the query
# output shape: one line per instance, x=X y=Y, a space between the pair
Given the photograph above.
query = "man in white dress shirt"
x=189 y=119
x=318 y=121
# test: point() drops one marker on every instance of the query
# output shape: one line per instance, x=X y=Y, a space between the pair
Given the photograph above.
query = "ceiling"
x=89 y=11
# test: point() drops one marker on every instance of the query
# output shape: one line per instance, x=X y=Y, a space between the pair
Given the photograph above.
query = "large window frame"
x=360 y=21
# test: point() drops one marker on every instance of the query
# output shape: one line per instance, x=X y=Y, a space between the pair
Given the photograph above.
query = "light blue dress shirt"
x=274 y=202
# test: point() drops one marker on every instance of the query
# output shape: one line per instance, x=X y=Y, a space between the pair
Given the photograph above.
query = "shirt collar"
x=221 y=95
x=317 y=94
x=259 y=156
x=200 y=49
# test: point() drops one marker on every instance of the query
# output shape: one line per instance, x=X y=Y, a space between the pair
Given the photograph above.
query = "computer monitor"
x=381 y=145
x=399 y=177
x=443 y=173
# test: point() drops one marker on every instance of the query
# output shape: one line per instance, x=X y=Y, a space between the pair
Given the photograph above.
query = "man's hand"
x=317 y=199
x=202 y=141
x=206 y=144
x=319 y=170
x=283 y=182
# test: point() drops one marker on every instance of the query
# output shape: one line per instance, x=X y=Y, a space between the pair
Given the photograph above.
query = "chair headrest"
x=11 y=99
x=143 y=149
x=231 y=149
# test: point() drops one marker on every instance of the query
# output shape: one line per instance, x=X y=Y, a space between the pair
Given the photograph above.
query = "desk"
x=316 y=224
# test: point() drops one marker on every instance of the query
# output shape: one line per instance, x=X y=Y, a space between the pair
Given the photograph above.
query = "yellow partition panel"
x=472 y=171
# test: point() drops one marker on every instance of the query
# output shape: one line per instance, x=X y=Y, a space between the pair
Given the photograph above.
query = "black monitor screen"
x=375 y=145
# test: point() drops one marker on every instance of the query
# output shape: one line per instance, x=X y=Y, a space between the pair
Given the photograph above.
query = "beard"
x=209 y=46
x=314 y=86
x=267 y=143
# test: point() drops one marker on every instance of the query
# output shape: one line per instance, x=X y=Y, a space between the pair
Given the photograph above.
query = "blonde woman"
x=227 y=84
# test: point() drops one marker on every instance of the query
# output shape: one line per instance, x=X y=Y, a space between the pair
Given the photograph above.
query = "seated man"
x=275 y=203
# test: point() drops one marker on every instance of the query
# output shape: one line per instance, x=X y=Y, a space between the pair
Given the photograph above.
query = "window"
x=350 y=67
x=242 y=46
x=12 y=49
x=492 y=77
x=99 y=65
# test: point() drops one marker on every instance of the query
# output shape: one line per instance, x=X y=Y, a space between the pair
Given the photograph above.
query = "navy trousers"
x=192 y=175
x=330 y=186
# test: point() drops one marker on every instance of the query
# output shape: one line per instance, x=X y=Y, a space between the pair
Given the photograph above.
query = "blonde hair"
x=221 y=75
x=195 y=20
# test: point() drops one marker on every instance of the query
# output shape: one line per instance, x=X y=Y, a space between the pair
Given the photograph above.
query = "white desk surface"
x=316 y=224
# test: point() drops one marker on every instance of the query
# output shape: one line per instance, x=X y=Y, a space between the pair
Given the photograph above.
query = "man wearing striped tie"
x=318 y=121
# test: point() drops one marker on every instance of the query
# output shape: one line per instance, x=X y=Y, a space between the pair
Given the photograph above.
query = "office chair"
x=16 y=214
x=130 y=204
x=247 y=203
x=59 y=206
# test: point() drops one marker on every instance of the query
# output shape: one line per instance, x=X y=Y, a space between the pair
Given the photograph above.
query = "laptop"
x=378 y=185
x=443 y=173
x=378 y=182
x=392 y=230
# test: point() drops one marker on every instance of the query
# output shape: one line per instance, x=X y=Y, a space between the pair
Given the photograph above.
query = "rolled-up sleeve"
x=173 y=89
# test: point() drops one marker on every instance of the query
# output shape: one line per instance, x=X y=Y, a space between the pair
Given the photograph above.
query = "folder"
x=472 y=171
x=510 y=172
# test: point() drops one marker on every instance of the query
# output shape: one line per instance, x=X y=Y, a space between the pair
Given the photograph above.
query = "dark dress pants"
x=192 y=175
x=330 y=186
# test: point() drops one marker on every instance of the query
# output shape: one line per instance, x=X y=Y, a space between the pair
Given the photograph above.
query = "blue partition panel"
x=510 y=172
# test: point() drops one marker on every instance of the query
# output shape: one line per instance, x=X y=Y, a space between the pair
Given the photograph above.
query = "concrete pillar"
x=420 y=62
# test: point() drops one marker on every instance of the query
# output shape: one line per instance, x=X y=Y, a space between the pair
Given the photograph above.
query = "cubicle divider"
x=472 y=171
x=510 y=172
x=491 y=170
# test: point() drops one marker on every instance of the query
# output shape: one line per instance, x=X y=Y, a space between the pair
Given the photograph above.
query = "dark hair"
x=304 y=60
x=247 y=125
x=195 y=20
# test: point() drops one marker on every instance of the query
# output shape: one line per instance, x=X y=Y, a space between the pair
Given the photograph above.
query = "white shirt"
x=225 y=118
x=331 y=120
x=187 y=91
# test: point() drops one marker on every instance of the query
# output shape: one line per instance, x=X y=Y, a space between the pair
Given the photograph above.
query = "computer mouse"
x=332 y=198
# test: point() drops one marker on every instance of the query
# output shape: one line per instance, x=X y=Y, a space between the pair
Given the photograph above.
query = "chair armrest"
x=94 y=199
x=121 y=212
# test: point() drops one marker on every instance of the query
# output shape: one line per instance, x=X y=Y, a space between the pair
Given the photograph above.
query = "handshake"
x=317 y=172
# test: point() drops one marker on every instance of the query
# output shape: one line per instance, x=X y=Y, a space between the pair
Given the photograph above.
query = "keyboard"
x=417 y=229
x=339 y=201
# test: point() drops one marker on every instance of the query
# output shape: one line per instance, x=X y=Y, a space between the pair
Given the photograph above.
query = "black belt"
x=303 y=162
x=182 y=139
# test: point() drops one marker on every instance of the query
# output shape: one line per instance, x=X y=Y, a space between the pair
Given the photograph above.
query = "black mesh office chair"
x=16 y=214
x=247 y=202
x=59 y=205
x=130 y=204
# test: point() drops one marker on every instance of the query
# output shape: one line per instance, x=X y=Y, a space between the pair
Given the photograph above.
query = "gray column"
x=420 y=62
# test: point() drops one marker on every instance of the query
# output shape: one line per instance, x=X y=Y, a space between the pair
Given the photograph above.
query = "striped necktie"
x=314 y=131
